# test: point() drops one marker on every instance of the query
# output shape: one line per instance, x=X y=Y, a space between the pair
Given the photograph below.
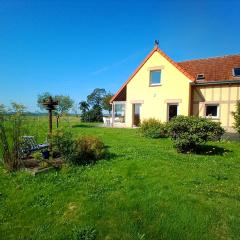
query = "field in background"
x=144 y=191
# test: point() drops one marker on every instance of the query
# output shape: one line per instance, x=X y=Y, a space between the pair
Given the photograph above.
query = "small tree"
x=236 y=116
x=65 y=103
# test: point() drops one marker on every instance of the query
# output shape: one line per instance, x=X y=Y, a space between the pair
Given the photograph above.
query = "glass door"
x=172 y=111
x=136 y=114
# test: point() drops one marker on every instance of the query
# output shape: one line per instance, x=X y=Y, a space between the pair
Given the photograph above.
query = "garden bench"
x=30 y=145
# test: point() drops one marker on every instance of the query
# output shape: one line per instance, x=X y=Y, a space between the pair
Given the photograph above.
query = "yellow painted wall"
x=224 y=95
x=174 y=88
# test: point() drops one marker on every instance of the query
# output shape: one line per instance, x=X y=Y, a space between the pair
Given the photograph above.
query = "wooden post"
x=50 y=105
x=50 y=121
x=50 y=131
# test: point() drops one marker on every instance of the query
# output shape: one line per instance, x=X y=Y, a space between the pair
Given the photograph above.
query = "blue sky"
x=71 y=47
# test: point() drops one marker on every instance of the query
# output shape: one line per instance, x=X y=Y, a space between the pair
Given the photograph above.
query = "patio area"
x=117 y=120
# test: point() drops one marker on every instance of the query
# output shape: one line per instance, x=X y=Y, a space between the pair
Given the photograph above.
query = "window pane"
x=155 y=77
x=211 y=111
x=236 y=71
x=119 y=110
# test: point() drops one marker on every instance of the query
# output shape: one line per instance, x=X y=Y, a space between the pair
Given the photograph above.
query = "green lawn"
x=144 y=191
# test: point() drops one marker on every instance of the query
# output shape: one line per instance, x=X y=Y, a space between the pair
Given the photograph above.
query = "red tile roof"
x=214 y=69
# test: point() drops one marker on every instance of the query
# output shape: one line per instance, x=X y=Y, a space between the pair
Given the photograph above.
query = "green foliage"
x=41 y=98
x=106 y=102
x=96 y=97
x=37 y=156
x=188 y=133
x=65 y=103
x=63 y=143
x=236 y=116
x=81 y=151
x=83 y=106
x=93 y=115
x=87 y=233
x=153 y=128
x=12 y=128
x=91 y=110
x=87 y=149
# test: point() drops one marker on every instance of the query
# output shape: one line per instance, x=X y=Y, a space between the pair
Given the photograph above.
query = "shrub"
x=153 y=128
x=12 y=128
x=188 y=133
x=63 y=144
x=82 y=151
x=236 y=116
x=87 y=149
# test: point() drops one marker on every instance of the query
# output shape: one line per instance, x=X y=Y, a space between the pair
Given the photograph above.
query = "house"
x=162 y=88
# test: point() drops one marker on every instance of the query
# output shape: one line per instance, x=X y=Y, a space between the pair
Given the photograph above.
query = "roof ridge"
x=224 y=56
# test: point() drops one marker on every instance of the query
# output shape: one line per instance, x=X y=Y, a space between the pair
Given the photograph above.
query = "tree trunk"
x=57 y=121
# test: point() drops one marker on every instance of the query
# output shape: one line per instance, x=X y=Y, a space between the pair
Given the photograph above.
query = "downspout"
x=191 y=99
x=113 y=113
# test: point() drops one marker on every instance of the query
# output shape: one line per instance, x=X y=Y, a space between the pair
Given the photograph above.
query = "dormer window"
x=236 y=72
x=200 y=76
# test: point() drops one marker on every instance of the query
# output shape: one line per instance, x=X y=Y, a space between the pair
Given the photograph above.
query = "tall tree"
x=96 y=97
x=84 y=107
x=106 y=102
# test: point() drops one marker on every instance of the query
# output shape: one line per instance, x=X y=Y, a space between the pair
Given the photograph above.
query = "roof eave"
x=216 y=82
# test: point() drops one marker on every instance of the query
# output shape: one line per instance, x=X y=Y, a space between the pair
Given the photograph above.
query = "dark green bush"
x=81 y=151
x=188 y=133
x=63 y=144
x=153 y=128
x=87 y=149
x=92 y=115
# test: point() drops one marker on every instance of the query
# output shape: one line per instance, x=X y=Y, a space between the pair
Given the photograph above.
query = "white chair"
x=104 y=121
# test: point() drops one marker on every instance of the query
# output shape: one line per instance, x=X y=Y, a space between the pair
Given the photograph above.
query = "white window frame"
x=200 y=77
x=218 y=111
x=155 y=84
x=233 y=72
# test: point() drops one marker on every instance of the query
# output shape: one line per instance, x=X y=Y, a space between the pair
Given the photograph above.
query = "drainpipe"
x=113 y=113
